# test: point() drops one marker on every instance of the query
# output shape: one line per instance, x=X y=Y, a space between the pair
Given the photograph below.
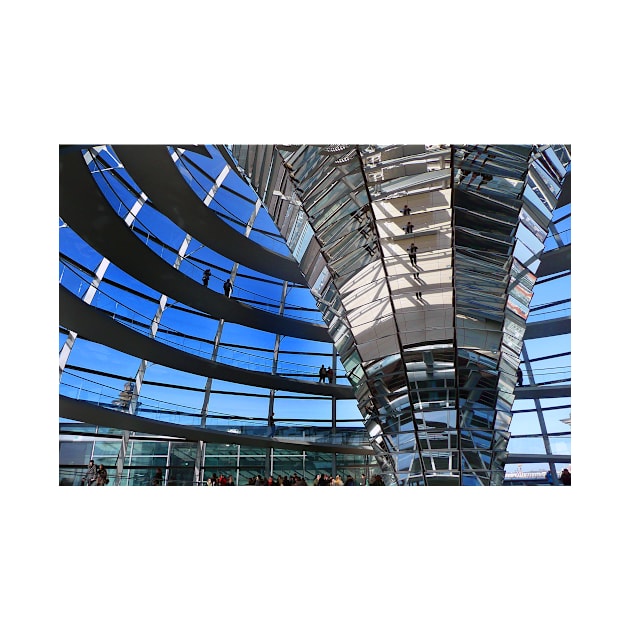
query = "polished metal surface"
x=427 y=307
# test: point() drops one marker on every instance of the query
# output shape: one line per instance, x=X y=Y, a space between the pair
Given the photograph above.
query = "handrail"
x=93 y=414
x=82 y=207
x=92 y=324
x=155 y=172
x=141 y=324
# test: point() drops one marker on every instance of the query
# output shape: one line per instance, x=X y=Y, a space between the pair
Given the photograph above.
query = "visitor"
x=124 y=399
x=101 y=476
x=324 y=480
x=408 y=228
x=272 y=428
x=377 y=480
x=322 y=374
x=157 y=478
x=227 y=288
x=330 y=374
x=205 y=277
x=565 y=477
x=412 y=249
x=349 y=481
x=90 y=475
x=406 y=210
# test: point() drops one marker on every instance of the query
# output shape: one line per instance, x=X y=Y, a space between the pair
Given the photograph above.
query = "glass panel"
x=75 y=453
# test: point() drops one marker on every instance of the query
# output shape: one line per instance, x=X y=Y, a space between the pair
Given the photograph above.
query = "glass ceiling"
x=421 y=315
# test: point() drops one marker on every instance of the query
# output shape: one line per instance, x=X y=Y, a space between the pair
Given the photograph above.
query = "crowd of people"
x=221 y=480
x=97 y=475
x=285 y=480
x=322 y=479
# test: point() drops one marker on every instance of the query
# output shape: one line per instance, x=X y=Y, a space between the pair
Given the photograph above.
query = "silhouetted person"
x=157 y=478
x=412 y=249
x=322 y=374
x=205 y=277
x=519 y=376
x=272 y=426
x=324 y=480
x=406 y=210
x=408 y=228
x=330 y=374
x=227 y=288
x=377 y=480
x=565 y=477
